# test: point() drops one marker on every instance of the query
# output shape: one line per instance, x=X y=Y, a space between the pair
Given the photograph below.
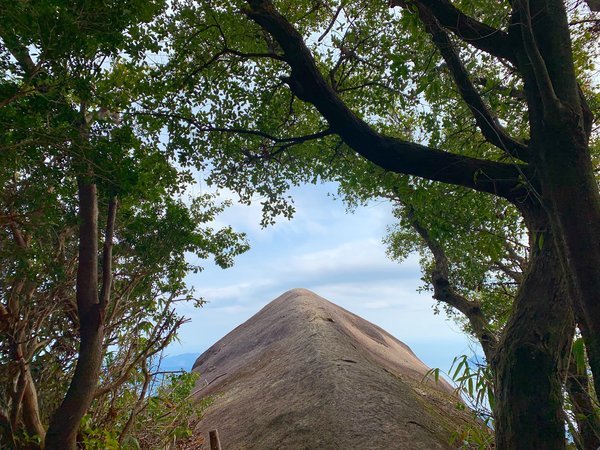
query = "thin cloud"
x=336 y=255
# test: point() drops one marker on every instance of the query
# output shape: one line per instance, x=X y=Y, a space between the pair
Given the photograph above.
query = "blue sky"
x=337 y=255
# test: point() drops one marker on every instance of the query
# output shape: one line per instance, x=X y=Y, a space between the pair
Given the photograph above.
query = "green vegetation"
x=476 y=118
x=95 y=225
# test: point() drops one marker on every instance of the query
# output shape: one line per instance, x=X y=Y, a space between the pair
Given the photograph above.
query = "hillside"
x=304 y=373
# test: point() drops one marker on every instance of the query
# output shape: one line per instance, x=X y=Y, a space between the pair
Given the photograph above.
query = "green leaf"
x=578 y=352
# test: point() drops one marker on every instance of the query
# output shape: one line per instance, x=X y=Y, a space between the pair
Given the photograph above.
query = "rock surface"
x=304 y=373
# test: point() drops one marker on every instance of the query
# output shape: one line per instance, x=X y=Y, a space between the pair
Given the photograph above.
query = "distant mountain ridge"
x=304 y=373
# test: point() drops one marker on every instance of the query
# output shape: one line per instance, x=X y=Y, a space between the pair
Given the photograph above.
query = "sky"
x=339 y=256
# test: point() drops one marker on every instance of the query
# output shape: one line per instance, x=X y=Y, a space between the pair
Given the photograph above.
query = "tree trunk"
x=65 y=421
x=31 y=410
x=561 y=124
x=583 y=408
x=25 y=406
x=533 y=350
x=576 y=214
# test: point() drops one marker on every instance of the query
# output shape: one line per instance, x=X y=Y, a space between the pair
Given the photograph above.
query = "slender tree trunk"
x=533 y=349
x=28 y=407
x=24 y=408
x=17 y=402
x=63 y=428
x=587 y=420
x=31 y=410
x=573 y=205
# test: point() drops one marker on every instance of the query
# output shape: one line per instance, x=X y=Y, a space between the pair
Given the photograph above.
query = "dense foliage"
x=476 y=118
x=71 y=78
x=497 y=101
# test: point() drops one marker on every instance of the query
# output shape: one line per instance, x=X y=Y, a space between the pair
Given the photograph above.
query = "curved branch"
x=478 y=34
x=444 y=292
x=550 y=101
x=486 y=120
x=19 y=52
x=396 y=155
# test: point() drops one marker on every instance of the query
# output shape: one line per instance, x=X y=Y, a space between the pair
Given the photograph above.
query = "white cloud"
x=349 y=255
x=380 y=304
x=336 y=255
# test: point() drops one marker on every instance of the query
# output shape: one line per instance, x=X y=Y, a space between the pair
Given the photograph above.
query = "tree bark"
x=588 y=423
x=531 y=357
x=558 y=178
x=65 y=421
x=561 y=123
x=25 y=406
x=31 y=410
x=576 y=214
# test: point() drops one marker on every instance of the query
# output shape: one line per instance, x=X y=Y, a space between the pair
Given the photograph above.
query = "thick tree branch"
x=17 y=401
x=444 y=292
x=64 y=424
x=396 y=155
x=475 y=33
x=31 y=409
x=594 y=5
x=486 y=120
x=87 y=270
x=19 y=52
x=538 y=66
x=20 y=239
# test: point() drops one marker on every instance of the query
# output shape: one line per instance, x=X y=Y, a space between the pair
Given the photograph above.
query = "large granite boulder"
x=304 y=373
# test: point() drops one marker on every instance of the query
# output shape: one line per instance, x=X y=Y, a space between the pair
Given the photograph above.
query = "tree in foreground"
x=496 y=99
x=95 y=227
x=503 y=103
x=475 y=267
